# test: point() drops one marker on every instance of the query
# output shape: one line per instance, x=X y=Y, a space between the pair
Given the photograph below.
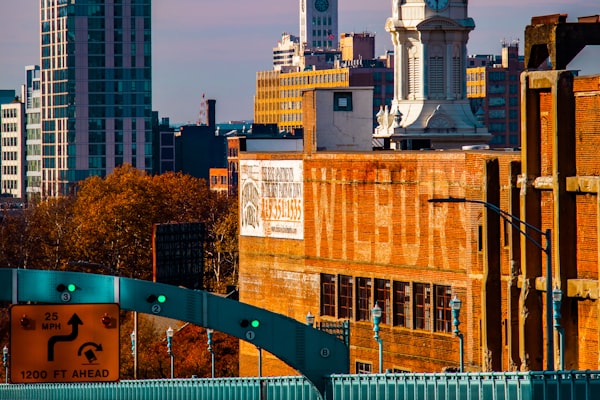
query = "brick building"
x=493 y=91
x=330 y=233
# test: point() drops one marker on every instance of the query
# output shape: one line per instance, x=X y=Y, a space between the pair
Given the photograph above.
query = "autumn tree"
x=114 y=216
x=38 y=237
x=106 y=227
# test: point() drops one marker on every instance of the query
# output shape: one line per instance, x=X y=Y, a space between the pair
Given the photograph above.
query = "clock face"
x=437 y=5
x=321 y=5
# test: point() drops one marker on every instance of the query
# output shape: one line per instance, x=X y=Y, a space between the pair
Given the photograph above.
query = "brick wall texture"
x=367 y=215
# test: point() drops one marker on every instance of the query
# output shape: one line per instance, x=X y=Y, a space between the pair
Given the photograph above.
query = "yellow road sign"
x=64 y=343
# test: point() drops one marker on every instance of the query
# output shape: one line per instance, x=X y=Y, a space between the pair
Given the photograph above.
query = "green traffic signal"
x=161 y=298
x=71 y=287
x=254 y=323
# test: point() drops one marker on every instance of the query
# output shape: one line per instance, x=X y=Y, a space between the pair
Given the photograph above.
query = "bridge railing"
x=551 y=385
x=561 y=385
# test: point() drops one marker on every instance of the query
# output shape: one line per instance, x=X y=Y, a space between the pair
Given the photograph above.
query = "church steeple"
x=430 y=47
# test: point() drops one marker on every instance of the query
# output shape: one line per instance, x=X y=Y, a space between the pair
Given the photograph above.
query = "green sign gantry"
x=313 y=353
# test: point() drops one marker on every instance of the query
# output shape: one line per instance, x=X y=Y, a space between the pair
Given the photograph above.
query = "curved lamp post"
x=516 y=223
x=310 y=319
x=169 y=350
x=557 y=295
x=209 y=335
x=376 y=314
x=5 y=361
x=132 y=343
x=455 y=305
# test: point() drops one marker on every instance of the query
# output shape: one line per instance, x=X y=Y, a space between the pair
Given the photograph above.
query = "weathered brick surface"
x=367 y=215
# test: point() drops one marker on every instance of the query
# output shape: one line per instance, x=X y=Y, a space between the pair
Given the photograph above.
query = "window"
x=382 y=297
x=497 y=114
x=436 y=76
x=363 y=367
x=457 y=73
x=342 y=101
x=328 y=294
x=422 y=306
x=401 y=296
x=443 y=313
x=345 y=297
x=414 y=86
x=363 y=299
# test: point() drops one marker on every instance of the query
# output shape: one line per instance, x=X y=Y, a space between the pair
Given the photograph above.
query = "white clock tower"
x=319 y=24
x=430 y=108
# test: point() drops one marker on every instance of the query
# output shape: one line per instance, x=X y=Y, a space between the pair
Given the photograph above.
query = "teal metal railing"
x=561 y=385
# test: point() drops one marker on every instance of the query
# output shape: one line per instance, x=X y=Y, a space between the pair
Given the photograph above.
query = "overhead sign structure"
x=312 y=352
x=64 y=343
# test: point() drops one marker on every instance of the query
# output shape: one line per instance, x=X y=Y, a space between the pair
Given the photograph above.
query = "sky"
x=216 y=47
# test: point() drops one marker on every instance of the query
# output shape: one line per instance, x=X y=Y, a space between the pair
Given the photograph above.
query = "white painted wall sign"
x=272 y=199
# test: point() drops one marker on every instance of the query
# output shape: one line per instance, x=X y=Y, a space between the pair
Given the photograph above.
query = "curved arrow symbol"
x=96 y=345
x=75 y=321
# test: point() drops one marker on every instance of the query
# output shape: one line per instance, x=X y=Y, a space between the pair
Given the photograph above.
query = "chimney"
x=211 y=113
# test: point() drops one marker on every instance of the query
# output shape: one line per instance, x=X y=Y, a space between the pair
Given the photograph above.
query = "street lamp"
x=455 y=305
x=169 y=350
x=516 y=223
x=310 y=319
x=376 y=314
x=209 y=335
x=5 y=361
x=557 y=295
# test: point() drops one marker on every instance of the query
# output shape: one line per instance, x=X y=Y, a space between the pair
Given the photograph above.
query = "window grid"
x=402 y=311
x=382 y=297
x=363 y=299
x=363 y=367
x=328 y=295
x=443 y=312
x=345 y=297
x=422 y=306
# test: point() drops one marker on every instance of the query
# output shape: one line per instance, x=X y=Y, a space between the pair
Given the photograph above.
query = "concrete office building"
x=96 y=89
x=357 y=46
x=12 y=149
x=286 y=55
x=319 y=24
x=278 y=98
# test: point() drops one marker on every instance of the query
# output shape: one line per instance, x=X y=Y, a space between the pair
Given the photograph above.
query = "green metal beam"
x=313 y=353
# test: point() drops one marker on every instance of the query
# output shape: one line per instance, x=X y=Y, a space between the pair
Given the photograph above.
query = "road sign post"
x=64 y=343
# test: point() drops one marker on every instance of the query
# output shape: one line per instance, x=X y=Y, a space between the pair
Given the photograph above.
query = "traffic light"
x=70 y=287
x=253 y=323
x=66 y=291
x=153 y=298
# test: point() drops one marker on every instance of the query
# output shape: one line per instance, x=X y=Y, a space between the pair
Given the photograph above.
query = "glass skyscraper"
x=96 y=74
x=33 y=110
